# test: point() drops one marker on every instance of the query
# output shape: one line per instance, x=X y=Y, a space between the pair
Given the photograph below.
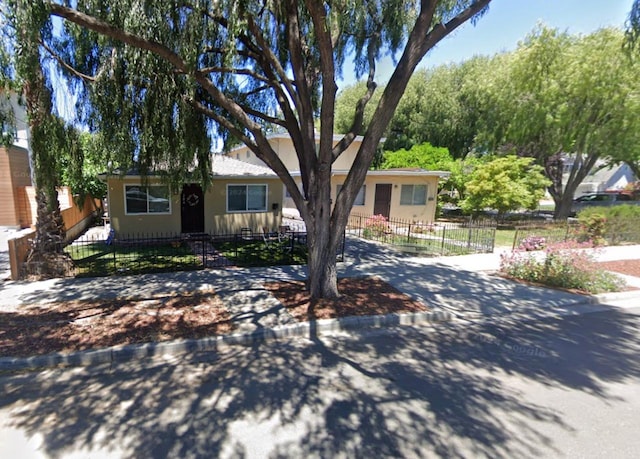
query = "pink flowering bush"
x=563 y=265
x=376 y=227
x=533 y=243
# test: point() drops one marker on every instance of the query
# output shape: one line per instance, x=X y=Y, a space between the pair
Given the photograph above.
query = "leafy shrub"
x=376 y=227
x=620 y=224
x=593 y=228
x=563 y=265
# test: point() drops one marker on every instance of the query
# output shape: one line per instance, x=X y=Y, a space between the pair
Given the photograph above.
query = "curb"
x=602 y=298
x=131 y=352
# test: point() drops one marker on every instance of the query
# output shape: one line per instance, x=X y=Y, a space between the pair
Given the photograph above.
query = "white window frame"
x=138 y=185
x=413 y=195
x=362 y=193
x=246 y=185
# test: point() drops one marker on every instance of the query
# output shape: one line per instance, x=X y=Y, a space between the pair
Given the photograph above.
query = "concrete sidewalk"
x=455 y=288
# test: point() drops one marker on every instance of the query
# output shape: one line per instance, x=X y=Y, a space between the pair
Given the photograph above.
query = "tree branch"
x=66 y=66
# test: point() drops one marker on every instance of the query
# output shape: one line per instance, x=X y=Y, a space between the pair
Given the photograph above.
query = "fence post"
x=469 y=235
x=444 y=229
x=493 y=239
x=204 y=252
x=515 y=239
x=114 y=250
x=409 y=234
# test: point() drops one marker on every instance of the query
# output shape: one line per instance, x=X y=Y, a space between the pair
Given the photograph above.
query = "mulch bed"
x=363 y=296
x=628 y=267
x=80 y=325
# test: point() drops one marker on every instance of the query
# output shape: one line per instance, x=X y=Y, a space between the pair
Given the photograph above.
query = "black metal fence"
x=103 y=254
x=440 y=238
x=532 y=235
x=614 y=231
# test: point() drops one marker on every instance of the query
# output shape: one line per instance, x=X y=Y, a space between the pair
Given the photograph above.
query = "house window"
x=153 y=199
x=359 y=197
x=413 y=195
x=246 y=198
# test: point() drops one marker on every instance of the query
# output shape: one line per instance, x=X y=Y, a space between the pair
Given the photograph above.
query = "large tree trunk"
x=321 y=237
x=323 y=275
x=46 y=257
x=563 y=195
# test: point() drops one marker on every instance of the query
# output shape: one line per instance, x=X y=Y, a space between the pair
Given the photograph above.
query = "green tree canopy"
x=442 y=106
x=565 y=97
x=505 y=184
x=424 y=156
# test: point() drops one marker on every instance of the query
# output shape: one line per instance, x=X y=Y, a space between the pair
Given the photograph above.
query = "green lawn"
x=100 y=259
x=256 y=253
x=504 y=238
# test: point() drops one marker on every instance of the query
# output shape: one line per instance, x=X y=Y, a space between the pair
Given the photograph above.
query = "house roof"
x=221 y=167
x=225 y=166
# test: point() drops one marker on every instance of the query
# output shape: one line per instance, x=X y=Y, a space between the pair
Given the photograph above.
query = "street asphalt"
x=460 y=288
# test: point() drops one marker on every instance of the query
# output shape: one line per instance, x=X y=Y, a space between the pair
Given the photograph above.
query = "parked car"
x=601 y=200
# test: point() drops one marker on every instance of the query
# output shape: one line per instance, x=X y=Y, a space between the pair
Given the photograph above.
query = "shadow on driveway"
x=410 y=392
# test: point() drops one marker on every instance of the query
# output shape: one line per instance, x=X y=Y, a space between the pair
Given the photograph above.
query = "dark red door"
x=382 y=201
x=192 y=209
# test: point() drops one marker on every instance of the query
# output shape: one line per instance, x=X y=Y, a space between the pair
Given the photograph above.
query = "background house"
x=15 y=173
x=602 y=177
x=409 y=194
x=240 y=195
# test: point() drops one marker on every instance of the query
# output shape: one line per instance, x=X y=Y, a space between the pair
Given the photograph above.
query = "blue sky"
x=509 y=21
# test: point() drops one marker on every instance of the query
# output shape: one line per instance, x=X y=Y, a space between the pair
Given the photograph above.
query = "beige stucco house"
x=239 y=195
x=409 y=194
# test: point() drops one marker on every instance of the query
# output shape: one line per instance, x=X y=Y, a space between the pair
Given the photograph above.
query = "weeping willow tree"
x=46 y=137
x=161 y=78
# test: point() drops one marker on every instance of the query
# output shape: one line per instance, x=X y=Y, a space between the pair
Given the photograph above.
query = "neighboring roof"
x=225 y=166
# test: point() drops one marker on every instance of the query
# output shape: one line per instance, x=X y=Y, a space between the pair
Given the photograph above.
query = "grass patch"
x=257 y=253
x=99 y=259
x=505 y=238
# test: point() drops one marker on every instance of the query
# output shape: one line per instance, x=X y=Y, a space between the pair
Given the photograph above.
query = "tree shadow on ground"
x=396 y=393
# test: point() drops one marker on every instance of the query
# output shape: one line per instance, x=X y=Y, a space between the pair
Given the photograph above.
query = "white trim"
x=246 y=211
x=388 y=173
x=124 y=194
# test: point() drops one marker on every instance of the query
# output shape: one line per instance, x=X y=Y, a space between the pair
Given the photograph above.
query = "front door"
x=382 y=202
x=192 y=209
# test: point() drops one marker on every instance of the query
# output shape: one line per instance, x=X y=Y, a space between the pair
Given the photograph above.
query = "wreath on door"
x=193 y=199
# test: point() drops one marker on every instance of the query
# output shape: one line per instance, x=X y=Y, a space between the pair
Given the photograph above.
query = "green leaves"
x=423 y=156
x=505 y=184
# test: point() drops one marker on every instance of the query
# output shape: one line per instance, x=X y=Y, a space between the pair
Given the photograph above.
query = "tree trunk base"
x=42 y=266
